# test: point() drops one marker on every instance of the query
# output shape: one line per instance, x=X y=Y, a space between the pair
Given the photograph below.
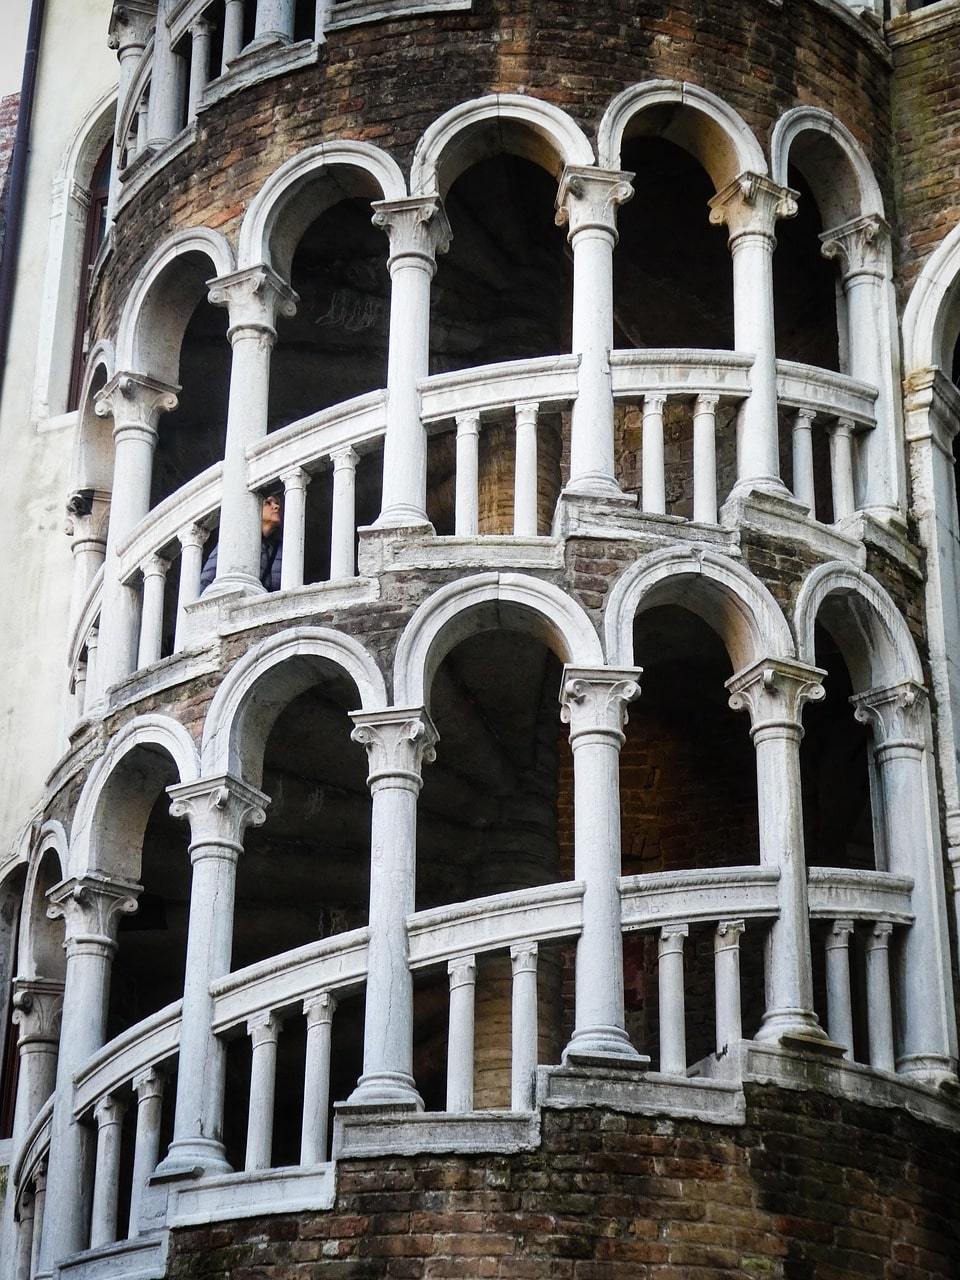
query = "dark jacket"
x=271 y=560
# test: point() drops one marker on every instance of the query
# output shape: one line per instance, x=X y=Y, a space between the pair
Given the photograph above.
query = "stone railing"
x=297 y=992
x=324 y=449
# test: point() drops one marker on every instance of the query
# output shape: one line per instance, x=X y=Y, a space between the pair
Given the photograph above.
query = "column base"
x=596 y=484
x=385 y=1088
x=186 y=1157
x=404 y=517
x=603 y=1047
x=234 y=584
x=796 y=1029
x=934 y=1069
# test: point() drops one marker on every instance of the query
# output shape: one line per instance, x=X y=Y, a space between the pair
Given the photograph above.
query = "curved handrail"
x=680 y=371
x=352 y=423
x=805 y=386
x=192 y=503
x=137 y=87
x=859 y=895
x=550 y=380
x=36 y=1144
x=679 y=897
x=147 y=1044
x=87 y=616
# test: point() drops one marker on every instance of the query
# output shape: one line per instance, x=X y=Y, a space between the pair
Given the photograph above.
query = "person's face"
x=271 y=515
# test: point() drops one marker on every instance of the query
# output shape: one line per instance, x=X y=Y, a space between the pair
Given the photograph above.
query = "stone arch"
x=832 y=161
x=931 y=320
x=486 y=601
x=865 y=623
x=163 y=298
x=93 y=452
x=525 y=126
x=721 y=592
x=278 y=669
x=41 y=939
x=302 y=188
x=692 y=118
x=120 y=791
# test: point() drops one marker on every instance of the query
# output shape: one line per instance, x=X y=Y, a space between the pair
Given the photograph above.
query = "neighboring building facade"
x=355 y=928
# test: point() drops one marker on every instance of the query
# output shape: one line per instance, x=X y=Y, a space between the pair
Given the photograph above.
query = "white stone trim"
x=800 y=120
x=248 y=1195
x=647 y=1094
x=739 y=607
x=235 y=719
x=803 y=386
x=451 y=614
x=151 y=1042
x=355 y=423
x=928 y=308
x=444 y=150
x=141 y=1258
x=352 y=13
x=932 y=20
x=677 y=371
x=680 y=897
x=192 y=503
x=726 y=148
x=551 y=381
x=834 y=894
x=260 y=220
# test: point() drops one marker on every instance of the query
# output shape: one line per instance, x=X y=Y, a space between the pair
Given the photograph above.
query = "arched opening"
x=304 y=875
x=487 y=823
x=688 y=795
x=94 y=232
x=11 y=909
x=503 y=292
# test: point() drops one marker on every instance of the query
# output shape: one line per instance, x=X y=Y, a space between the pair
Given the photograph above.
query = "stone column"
x=192 y=540
x=154 y=572
x=37 y=1012
x=398 y=742
x=274 y=22
x=803 y=487
x=343 y=530
x=705 y=459
x=232 y=33
x=673 y=1016
x=839 y=1003
x=108 y=1114
x=587 y=204
x=524 y=1026
x=467 y=503
x=135 y=403
x=774 y=691
x=726 y=969
x=879 y=1010
x=87 y=515
x=91 y=907
x=749 y=208
x=264 y=1032
x=462 y=974
x=653 y=489
x=862 y=250
x=254 y=299
x=166 y=86
x=295 y=482
x=841 y=470
x=594 y=704
x=219 y=811
x=319 y=1011
x=129 y=31
x=418 y=231
x=199 y=65
x=898 y=717
x=148 y=1086
x=525 y=471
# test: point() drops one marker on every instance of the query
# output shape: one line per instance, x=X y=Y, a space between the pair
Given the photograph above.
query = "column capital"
x=319 y=1008
x=135 y=401
x=840 y=933
x=130 y=25
x=588 y=199
x=728 y=933
x=37 y=1010
x=879 y=936
x=192 y=535
x=523 y=957
x=345 y=458
x=895 y=715
x=859 y=246
x=418 y=229
x=706 y=402
x=468 y=422
x=672 y=937
x=254 y=298
x=751 y=205
x=263 y=1028
x=109 y=1110
x=774 y=691
x=399 y=741
x=593 y=700
x=155 y=566
x=149 y=1084
x=462 y=971
x=90 y=907
x=219 y=811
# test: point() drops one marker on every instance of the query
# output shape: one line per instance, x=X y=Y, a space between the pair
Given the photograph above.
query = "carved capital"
x=135 y=402
x=399 y=742
x=895 y=715
x=728 y=934
x=90 y=907
x=840 y=934
x=859 y=246
x=417 y=227
x=192 y=535
x=672 y=937
x=263 y=1028
x=593 y=700
x=254 y=299
x=37 y=1010
x=130 y=25
x=109 y=1111
x=774 y=692
x=588 y=199
x=462 y=971
x=319 y=1009
x=751 y=205
x=523 y=957
x=148 y=1085
x=219 y=811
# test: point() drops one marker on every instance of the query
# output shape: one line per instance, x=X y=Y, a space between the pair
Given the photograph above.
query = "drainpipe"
x=18 y=180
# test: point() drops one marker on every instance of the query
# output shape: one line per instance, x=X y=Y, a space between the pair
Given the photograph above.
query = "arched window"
x=94 y=233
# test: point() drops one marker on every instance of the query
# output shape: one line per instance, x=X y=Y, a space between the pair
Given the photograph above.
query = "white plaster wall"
x=16 y=14
x=76 y=70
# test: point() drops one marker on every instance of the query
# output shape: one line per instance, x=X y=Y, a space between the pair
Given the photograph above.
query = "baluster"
x=148 y=1086
x=27 y=1236
x=460 y=1037
x=106 y=1187
x=319 y=1011
x=523 y=1026
x=232 y=33
x=879 y=1012
x=154 y=571
x=343 y=532
x=839 y=1004
x=525 y=472
x=295 y=484
x=274 y=21
x=841 y=469
x=467 y=504
x=803 y=489
x=143 y=121
x=39 y=1210
x=199 y=66
x=90 y=693
x=673 y=1018
x=80 y=687
x=192 y=540
x=705 y=459
x=653 y=482
x=321 y=20
x=726 y=967
x=263 y=1030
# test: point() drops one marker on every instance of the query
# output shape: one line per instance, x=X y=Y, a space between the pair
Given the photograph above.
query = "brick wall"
x=811 y=1188
x=386 y=82
x=9 y=109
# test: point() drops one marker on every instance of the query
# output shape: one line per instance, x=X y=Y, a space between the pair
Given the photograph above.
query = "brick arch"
x=525 y=126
